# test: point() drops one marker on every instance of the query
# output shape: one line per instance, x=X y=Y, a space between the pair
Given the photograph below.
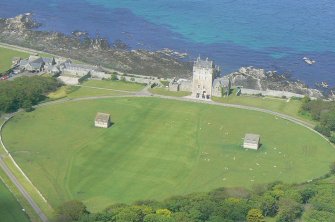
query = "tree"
x=158 y=218
x=72 y=209
x=164 y=212
x=24 y=92
x=268 y=204
x=327 y=119
x=307 y=194
x=133 y=213
x=255 y=215
x=289 y=210
x=27 y=106
x=332 y=139
x=323 y=130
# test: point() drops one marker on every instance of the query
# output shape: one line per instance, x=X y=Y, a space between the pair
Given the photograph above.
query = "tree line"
x=310 y=202
x=25 y=92
x=324 y=113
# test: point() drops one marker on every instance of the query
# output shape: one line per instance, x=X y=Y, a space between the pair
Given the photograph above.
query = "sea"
x=272 y=34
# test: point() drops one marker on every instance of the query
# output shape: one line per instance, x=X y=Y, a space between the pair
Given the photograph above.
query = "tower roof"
x=205 y=64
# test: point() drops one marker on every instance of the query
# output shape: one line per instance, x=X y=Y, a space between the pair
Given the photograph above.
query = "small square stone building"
x=102 y=120
x=251 y=141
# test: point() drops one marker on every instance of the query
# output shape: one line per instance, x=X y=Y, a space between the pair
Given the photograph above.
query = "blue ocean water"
x=274 y=35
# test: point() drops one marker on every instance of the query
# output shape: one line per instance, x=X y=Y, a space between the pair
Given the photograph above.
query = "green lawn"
x=95 y=88
x=6 y=56
x=157 y=148
x=289 y=107
x=91 y=92
x=117 y=85
x=10 y=209
x=166 y=92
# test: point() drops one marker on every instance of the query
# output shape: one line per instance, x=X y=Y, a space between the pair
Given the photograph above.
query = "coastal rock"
x=19 y=31
x=99 y=44
x=21 y=22
x=258 y=79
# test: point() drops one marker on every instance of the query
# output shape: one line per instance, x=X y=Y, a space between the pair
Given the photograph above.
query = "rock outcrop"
x=21 y=31
x=21 y=22
x=259 y=79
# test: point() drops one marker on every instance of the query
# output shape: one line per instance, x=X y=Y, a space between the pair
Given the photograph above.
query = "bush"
x=332 y=168
x=289 y=210
x=72 y=210
x=114 y=77
x=255 y=215
x=332 y=139
x=323 y=130
x=27 y=106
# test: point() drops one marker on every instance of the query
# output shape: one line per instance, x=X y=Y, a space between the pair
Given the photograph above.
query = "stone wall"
x=270 y=93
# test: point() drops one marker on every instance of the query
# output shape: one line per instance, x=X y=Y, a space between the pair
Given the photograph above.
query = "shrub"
x=114 y=77
x=332 y=139
x=323 y=130
x=72 y=210
x=255 y=215
x=332 y=167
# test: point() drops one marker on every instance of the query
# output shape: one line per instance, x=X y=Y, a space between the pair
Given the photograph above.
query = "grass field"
x=96 y=88
x=166 y=92
x=116 y=85
x=6 y=56
x=157 y=148
x=10 y=209
x=289 y=107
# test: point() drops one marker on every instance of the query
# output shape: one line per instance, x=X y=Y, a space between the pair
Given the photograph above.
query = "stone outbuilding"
x=102 y=120
x=221 y=87
x=251 y=141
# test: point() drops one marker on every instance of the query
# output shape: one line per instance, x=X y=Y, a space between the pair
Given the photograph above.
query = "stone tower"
x=203 y=73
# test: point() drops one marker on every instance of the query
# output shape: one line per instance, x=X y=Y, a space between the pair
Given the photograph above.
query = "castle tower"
x=203 y=72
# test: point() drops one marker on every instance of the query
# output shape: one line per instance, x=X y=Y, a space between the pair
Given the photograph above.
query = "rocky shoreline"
x=259 y=79
x=22 y=31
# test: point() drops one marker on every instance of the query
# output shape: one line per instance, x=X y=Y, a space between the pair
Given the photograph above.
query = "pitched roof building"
x=251 y=141
x=102 y=120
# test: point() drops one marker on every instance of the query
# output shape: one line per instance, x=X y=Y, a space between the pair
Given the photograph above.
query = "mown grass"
x=79 y=92
x=10 y=209
x=6 y=56
x=166 y=92
x=116 y=85
x=157 y=148
x=93 y=88
x=290 y=107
